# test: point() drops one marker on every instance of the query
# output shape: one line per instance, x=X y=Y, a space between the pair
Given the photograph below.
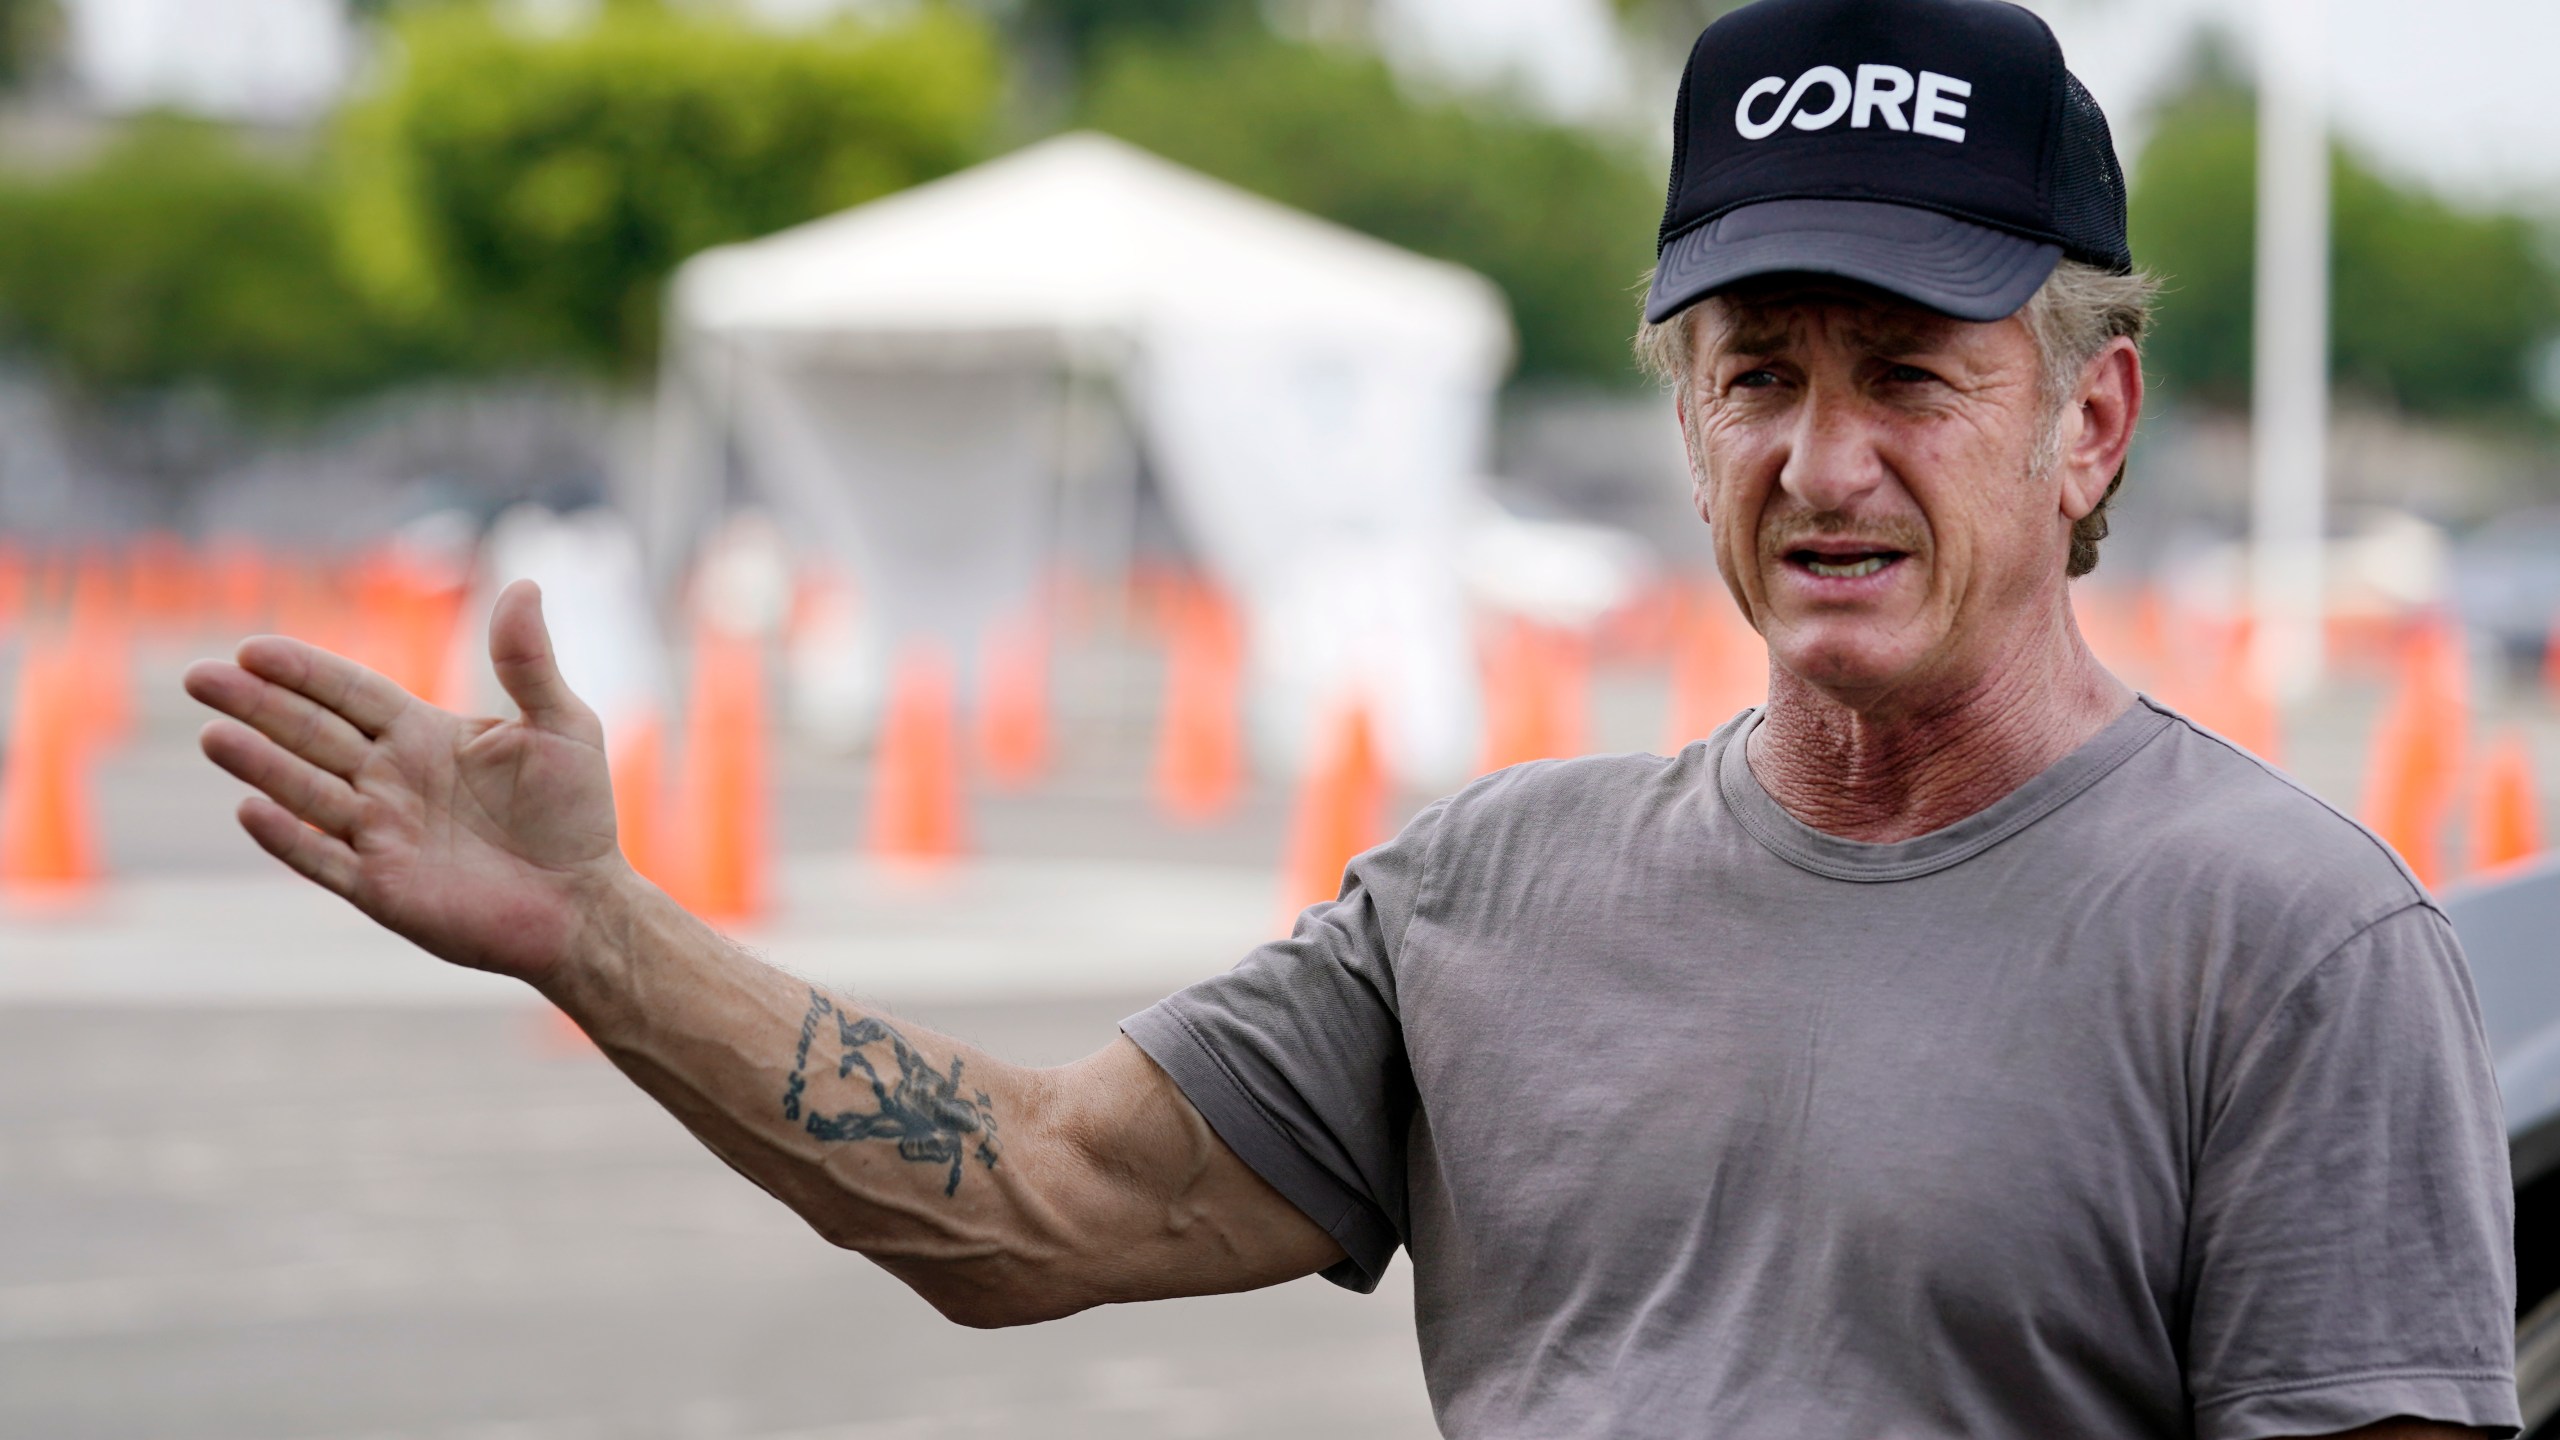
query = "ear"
x=2097 y=429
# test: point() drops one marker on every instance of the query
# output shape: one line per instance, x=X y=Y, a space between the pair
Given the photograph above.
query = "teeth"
x=1850 y=571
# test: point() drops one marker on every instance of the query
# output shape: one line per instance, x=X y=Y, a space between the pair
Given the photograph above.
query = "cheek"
x=1728 y=502
x=1987 y=518
x=1730 y=468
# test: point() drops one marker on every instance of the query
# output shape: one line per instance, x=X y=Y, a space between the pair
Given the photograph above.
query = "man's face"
x=1872 y=474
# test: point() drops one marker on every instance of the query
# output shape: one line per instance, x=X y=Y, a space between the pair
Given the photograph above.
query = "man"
x=1956 y=1045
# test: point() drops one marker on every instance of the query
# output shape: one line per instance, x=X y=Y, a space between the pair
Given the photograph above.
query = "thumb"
x=520 y=650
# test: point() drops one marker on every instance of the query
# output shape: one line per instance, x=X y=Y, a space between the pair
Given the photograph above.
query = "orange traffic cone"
x=1338 y=812
x=305 y=605
x=1513 y=716
x=49 y=584
x=1013 y=702
x=2148 y=633
x=161 y=580
x=721 y=871
x=2506 y=819
x=1566 y=663
x=96 y=594
x=2234 y=701
x=1719 y=667
x=915 y=788
x=1537 y=684
x=48 y=843
x=99 y=648
x=371 y=584
x=431 y=618
x=1155 y=591
x=407 y=613
x=636 y=761
x=1199 y=764
x=15 y=602
x=2415 y=762
x=368 y=605
x=2395 y=798
x=237 y=586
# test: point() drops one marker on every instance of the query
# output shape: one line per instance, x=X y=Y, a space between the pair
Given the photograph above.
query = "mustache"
x=1780 y=534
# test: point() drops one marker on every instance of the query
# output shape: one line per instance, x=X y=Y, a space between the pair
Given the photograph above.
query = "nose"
x=1832 y=456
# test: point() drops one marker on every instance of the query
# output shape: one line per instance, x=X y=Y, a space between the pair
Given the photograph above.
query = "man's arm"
x=2351 y=1228
x=1001 y=1194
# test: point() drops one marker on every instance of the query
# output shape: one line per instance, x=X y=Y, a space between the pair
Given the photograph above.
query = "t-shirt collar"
x=1802 y=845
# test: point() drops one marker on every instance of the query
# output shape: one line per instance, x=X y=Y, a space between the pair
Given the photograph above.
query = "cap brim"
x=1953 y=266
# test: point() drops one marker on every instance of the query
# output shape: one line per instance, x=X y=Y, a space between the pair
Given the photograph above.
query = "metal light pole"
x=2289 y=377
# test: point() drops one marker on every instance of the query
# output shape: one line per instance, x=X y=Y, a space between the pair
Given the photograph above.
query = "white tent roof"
x=1315 y=404
x=1080 y=237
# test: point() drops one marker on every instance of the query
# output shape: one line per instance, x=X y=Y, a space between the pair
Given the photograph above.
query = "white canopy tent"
x=948 y=388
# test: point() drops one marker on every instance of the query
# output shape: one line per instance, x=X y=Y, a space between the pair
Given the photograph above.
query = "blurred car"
x=2505 y=581
x=2507 y=924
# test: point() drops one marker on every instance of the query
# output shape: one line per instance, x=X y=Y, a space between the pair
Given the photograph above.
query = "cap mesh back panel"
x=2088 y=184
x=1679 y=148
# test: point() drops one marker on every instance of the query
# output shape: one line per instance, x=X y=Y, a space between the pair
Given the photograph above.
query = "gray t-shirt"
x=2150 y=1101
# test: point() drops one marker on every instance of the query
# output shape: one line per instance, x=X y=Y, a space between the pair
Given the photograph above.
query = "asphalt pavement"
x=266 y=1173
x=315 y=1223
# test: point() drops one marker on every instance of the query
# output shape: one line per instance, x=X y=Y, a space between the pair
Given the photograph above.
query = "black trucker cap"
x=1933 y=148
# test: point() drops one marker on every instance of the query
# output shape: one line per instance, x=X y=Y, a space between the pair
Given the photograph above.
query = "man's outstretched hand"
x=487 y=842
x=491 y=843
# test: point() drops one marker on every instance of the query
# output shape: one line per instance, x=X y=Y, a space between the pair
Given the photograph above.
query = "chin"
x=1844 y=664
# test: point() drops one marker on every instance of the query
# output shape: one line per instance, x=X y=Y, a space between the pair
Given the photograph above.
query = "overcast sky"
x=2464 y=94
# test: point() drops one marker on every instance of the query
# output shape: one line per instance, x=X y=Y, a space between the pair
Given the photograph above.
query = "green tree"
x=1671 y=26
x=541 y=187
x=2193 y=219
x=30 y=33
x=2434 y=307
x=1560 y=218
x=1081 y=28
x=177 y=257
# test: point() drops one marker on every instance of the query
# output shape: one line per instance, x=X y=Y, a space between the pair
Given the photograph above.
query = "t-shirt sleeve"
x=1296 y=1056
x=2350 y=1254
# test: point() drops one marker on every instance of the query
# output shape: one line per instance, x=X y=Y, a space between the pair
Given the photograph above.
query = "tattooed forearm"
x=933 y=1120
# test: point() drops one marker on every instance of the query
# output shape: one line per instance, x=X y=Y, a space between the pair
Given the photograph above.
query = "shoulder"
x=2193 y=794
x=1538 y=843
x=2244 y=864
x=1583 y=795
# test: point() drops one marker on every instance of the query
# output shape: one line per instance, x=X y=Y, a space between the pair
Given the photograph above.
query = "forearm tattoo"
x=924 y=1110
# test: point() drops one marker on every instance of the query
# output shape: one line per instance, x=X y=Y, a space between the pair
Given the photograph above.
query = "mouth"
x=1847 y=563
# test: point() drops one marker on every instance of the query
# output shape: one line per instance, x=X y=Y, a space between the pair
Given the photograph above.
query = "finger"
x=313 y=795
x=520 y=651
x=325 y=860
x=368 y=701
x=301 y=725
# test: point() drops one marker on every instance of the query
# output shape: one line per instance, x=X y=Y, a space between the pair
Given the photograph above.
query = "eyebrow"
x=1751 y=337
x=1761 y=331
x=1896 y=331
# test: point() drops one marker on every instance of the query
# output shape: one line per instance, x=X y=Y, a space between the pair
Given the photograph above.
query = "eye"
x=1759 y=379
x=1907 y=375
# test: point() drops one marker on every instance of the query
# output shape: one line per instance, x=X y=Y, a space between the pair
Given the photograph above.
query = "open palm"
x=483 y=841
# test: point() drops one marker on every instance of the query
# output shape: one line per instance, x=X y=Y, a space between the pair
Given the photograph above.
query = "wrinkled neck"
x=1893 y=766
